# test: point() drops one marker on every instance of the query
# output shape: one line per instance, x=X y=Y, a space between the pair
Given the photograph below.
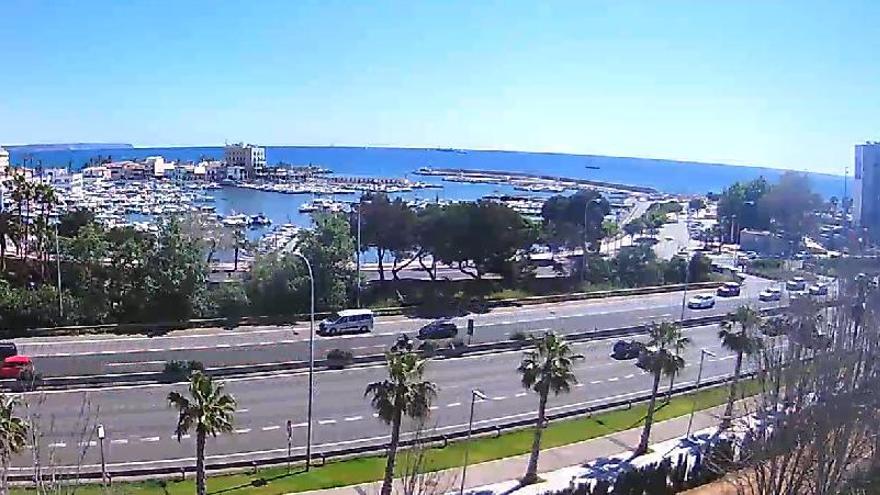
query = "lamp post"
x=58 y=270
x=703 y=354
x=475 y=394
x=358 y=286
x=311 y=361
x=101 y=436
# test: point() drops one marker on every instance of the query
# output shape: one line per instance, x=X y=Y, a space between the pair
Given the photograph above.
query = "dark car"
x=7 y=349
x=626 y=349
x=729 y=289
x=441 y=329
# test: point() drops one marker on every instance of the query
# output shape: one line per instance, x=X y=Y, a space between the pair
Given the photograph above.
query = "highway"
x=140 y=424
x=89 y=355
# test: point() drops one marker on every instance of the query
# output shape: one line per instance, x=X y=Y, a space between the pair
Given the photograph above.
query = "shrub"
x=178 y=371
x=339 y=358
x=521 y=336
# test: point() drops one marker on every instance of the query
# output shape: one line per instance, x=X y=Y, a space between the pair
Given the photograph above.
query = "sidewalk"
x=573 y=455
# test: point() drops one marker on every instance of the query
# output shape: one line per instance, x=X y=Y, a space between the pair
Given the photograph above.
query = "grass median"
x=277 y=480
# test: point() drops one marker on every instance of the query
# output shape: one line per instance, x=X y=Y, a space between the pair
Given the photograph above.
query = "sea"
x=670 y=176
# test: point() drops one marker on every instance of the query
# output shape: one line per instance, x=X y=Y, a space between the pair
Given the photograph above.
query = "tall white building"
x=251 y=158
x=866 y=197
x=4 y=160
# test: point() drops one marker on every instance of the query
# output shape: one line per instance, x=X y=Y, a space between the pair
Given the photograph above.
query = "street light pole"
x=475 y=394
x=58 y=269
x=358 y=293
x=703 y=354
x=311 y=361
x=101 y=436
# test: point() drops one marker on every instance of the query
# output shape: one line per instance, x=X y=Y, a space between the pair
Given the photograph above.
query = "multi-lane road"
x=140 y=424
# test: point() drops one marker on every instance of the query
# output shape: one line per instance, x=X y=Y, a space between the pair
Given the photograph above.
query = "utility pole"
x=58 y=270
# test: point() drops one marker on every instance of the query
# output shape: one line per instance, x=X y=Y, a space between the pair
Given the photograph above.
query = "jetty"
x=506 y=177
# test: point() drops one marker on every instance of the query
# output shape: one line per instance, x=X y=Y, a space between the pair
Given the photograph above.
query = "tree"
x=70 y=222
x=548 y=367
x=13 y=437
x=634 y=227
x=571 y=221
x=696 y=204
x=207 y=410
x=739 y=206
x=7 y=230
x=388 y=226
x=637 y=266
x=737 y=336
x=791 y=204
x=665 y=344
x=329 y=248
x=405 y=392
x=176 y=274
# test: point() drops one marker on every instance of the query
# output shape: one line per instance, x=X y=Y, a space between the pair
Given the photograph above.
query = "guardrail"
x=371 y=448
x=149 y=377
x=159 y=328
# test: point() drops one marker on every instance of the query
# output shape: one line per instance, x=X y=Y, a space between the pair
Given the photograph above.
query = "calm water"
x=664 y=175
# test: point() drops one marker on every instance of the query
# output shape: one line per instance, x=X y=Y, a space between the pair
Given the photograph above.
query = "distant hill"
x=36 y=148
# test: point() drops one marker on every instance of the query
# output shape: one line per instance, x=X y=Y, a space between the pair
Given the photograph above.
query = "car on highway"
x=439 y=329
x=347 y=321
x=627 y=349
x=729 y=289
x=14 y=366
x=8 y=349
x=818 y=290
x=796 y=284
x=701 y=301
x=770 y=294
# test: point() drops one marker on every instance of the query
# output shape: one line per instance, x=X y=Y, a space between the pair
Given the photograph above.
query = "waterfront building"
x=96 y=172
x=866 y=197
x=4 y=161
x=215 y=170
x=127 y=170
x=252 y=158
x=236 y=173
x=158 y=166
x=62 y=179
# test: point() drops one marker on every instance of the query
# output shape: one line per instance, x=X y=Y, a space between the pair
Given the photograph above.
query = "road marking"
x=185 y=436
x=354 y=418
x=629 y=376
x=595 y=382
x=453 y=404
x=579 y=385
x=57 y=445
x=242 y=411
x=270 y=428
x=299 y=425
x=150 y=439
x=522 y=394
x=500 y=397
x=223 y=346
x=120 y=441
x=375 y=415
x=613 y=379
x=242 y=431
x=133 y=363
x=326 y=421
x=433 y=408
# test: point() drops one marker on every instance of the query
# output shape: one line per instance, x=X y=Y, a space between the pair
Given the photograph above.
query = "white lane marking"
x=299 y=425
x=595 y=382
x=500 y=397
x=354 y=418
x=614 y=379
x=579 y=385
x=133 y=363
x=629 y=376
x=380 y=346
x=270 y=428
x=326 y=421
x=242 y=431
x=185 y=436
x=57 y=445
x=150 y=439
x=223 y=346
x=433 y=408
x=375 y=415
x=522 y=394
x=119 y=441
x=453 y=404
x=242 y=411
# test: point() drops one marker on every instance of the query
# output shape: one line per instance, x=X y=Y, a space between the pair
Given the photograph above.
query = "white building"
x=63 y=180
x=236 y=173
x=866 y=197
x=252 y=158
x=4 y=160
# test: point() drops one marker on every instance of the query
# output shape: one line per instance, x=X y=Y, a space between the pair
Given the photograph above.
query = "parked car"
x=818 y=290
x=14 y=366
x=770 y=294
x=440 y=329
x=701 y=301
x=796 y=284
x=626 y=349
x=729 y=289
x=8 y=349
x=347 y=321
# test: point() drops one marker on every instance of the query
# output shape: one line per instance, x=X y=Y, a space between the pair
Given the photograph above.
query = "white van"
x=347 y=321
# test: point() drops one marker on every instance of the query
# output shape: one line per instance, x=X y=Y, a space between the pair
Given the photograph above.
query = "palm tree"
x=663 y=357
x=742 y=342
x=13 y=437
x=403 y=393
x=208 y=410
x=549 y=366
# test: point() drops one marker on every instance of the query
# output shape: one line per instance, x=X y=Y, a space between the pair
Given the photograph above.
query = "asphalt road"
x=140 y=424
x=243 y=346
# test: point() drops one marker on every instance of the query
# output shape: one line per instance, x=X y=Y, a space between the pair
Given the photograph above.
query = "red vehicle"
x=14 y=365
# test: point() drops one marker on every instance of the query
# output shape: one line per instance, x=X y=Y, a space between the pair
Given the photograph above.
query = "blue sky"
x=790 y=84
